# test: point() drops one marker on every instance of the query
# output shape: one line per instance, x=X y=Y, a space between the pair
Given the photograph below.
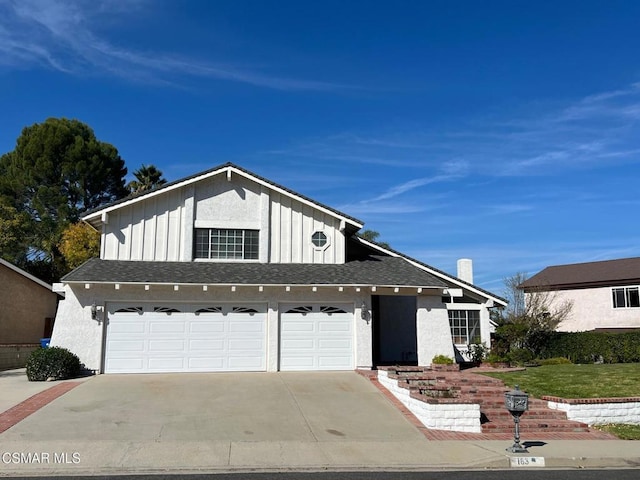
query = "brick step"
x=502 y=415
x=536 y=427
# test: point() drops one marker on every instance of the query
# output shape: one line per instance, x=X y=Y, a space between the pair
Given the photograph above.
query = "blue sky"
x=503 y=131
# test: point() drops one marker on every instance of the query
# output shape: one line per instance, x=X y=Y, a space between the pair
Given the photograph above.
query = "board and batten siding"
x=292 y=226
x=160 y=227
x=150 y=230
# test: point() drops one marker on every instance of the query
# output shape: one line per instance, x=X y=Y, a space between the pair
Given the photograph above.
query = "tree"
x=14 y=228
x=372 y=236
x=79 y=243
x=57 y=171
x=529 y=319
x=148 y=177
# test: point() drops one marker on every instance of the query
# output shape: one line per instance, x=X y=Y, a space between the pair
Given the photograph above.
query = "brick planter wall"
x=458 y=417
x=15 y=355
x=598 y=411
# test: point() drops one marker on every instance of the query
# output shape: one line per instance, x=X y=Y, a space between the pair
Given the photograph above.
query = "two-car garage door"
x=148 y=337
x=185 y=338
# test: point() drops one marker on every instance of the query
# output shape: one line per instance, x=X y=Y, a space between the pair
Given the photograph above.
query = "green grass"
x=577 y=381
x=622 y=431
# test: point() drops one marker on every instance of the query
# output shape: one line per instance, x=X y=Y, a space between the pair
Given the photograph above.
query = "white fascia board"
x=26 y=274
x=447 y=278
x=282 y=191
x=97 y=215
x=256 y=285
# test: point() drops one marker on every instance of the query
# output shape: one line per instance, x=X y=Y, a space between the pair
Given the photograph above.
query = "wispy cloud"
x=62 y=36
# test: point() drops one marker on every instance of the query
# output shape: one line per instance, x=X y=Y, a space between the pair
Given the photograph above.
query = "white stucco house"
x=605 y=294
x=228 y=271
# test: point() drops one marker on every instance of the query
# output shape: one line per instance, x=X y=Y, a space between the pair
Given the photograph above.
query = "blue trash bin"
x=44 y=342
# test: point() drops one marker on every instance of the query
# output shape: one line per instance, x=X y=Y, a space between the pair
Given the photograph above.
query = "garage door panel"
x=173 y=326
x=129 y=327
x=207 y=328
x=164 y=364
x=128 y=346
x=319 y=339
x=334 y=344
x=166 y=346
x=216 y=340
x=126 y=363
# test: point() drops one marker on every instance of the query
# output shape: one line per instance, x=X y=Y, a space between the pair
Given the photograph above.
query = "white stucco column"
x=364 y=335
x=273 y=336
x=432 y=329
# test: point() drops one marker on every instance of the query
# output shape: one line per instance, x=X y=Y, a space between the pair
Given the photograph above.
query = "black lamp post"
x=517 y=402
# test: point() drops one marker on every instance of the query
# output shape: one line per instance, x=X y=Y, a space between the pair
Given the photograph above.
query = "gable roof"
x=25 y=274
x=622 y=271
x=431 y=270
x=381 y=271
x=94 y=216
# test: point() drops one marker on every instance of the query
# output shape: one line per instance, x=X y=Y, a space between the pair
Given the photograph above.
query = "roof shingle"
x=604 y=273
x=374 y=270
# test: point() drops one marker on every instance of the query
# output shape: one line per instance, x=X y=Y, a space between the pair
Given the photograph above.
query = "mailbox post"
x=517 y=402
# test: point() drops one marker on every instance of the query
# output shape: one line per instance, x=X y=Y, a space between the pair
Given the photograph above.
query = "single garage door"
x=316 y=337
x=144 y=338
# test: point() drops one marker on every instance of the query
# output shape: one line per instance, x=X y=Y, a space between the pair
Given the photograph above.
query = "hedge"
x=590 y=347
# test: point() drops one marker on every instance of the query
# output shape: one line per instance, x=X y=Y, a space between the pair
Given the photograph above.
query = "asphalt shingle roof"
x=604 y=273
x=373 y=270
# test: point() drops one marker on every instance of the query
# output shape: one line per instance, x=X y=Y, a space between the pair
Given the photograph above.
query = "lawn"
x=577 y=381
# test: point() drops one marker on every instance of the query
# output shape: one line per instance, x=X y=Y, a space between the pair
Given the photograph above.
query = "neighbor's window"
x=465 y=326
x=226 y=244
x=626 y=297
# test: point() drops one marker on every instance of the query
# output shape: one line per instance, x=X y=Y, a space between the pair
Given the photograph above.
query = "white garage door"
x=316 y=337
x=185 y=338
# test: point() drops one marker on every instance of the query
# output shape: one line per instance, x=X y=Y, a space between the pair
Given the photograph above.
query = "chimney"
x=465 y=270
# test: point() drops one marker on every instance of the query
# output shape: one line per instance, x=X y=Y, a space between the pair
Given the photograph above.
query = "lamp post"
x=517 y=402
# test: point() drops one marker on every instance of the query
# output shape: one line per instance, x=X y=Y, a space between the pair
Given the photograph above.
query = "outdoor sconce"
x=96 y=311
x=517 y=402
x=364 y=312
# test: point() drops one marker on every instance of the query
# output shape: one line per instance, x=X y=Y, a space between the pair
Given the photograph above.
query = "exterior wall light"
x=94 y=311
x=517 y=402
x=364 y=312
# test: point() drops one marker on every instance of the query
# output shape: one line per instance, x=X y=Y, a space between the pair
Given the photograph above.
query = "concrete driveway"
x=306 y=407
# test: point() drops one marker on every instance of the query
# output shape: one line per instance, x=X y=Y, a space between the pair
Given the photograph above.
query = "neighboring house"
x=228 y=271
x=605 y=294
x=28 y=306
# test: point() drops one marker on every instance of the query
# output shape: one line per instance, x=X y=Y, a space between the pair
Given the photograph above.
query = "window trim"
x=326 y=244
x=221 y=259
x=626 y=290
x=466 y=319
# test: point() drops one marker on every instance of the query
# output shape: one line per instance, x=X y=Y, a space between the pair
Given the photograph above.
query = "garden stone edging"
x=598 y=411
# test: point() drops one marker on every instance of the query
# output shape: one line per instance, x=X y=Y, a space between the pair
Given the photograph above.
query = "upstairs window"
x=465 y=326
x=226 y=244
x=626 y=297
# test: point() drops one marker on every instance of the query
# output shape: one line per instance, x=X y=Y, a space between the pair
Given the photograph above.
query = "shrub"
x=477 y=352
x=554 y=361
x=495 y=358
x=53 y=362
x=520 y=356
x=589 y=347
x=442 y=360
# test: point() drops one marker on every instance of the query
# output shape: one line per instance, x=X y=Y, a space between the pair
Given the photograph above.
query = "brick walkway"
x=32 y=404
x=432 y=434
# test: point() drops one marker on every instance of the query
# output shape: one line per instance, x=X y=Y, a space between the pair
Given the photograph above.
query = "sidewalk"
x=176 y=447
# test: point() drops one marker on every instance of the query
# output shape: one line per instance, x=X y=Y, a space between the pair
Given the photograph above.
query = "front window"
x=226 y=244
x=626 y=297
x=465 y=326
